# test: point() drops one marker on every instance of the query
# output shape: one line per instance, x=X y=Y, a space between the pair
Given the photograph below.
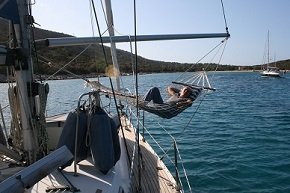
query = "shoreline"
x=3 y=78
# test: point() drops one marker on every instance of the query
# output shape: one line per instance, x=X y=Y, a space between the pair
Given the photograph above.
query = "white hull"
x=272 y=73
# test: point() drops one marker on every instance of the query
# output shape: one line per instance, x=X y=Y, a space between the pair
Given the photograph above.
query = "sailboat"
x=270 y=71
x=90 y=149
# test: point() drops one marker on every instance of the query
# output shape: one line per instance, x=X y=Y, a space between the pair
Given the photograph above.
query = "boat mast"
x=268 y=50
x=24 y=78
x=26 y=97
x=110 y=25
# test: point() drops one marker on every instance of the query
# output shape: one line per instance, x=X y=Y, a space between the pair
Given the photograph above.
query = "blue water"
x=237 y=141
x=241 y=136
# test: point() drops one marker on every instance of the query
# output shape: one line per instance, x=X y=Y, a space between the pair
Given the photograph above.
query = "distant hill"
x=93 y=60
x=90 y=61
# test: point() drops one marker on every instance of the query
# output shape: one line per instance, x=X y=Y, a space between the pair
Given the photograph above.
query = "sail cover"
x=9 y=10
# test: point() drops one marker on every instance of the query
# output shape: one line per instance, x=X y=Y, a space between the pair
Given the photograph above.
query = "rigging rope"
x=220 y=58
x=166 y=152
x=129 y=37
x=214 y=48
x=137 y=94
x=201 y=100
x=111 y=83
x=186 y=126
x=225 y=20
x=68 y=63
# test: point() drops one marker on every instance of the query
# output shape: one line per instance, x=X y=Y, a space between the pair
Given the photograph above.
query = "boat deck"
x=155 y=177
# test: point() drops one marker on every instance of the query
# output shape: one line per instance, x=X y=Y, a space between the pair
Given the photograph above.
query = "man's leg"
x=153 y=94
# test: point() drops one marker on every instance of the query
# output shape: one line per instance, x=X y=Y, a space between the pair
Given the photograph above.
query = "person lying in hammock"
x=178 y=97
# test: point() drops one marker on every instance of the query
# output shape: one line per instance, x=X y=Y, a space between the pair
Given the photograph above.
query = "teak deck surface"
x=155 y=177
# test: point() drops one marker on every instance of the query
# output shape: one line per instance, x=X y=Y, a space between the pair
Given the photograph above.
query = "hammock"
x=164 y=110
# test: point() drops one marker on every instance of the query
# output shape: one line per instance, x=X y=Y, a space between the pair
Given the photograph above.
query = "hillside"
x=93 y=61
x=90 y=61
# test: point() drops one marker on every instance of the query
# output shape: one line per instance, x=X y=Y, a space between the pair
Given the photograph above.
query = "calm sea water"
x=237 y=141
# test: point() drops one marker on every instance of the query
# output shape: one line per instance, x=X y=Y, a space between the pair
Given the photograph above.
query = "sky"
x=248 y=22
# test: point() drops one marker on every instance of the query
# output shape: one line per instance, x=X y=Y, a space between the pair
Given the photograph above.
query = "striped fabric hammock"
x=164 y=110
